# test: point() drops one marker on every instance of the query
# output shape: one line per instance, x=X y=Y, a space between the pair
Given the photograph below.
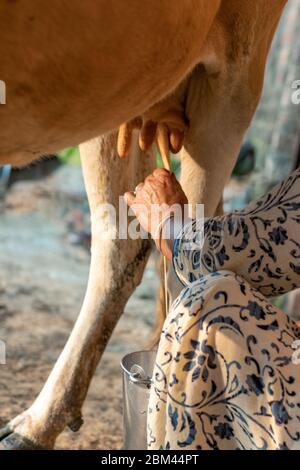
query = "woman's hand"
x=153 y=199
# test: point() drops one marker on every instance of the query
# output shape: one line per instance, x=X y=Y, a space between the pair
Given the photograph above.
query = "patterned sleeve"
x=261 y=243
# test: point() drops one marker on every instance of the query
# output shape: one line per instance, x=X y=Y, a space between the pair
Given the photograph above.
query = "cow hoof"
x=14 y=441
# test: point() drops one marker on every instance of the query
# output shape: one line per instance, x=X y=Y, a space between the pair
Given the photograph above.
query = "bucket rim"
x=134 y=352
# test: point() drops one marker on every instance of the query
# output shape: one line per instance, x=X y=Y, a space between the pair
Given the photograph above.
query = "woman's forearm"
x=261 y=242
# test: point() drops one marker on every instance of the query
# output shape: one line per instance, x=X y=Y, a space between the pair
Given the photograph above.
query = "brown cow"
x=74 y=70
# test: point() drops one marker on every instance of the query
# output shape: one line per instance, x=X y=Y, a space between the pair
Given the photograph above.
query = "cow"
x=77 y=70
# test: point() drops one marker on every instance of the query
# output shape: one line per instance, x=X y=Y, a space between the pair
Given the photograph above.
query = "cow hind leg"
x=116 y=269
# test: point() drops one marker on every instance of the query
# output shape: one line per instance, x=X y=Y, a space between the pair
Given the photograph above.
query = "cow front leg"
x=116 y=269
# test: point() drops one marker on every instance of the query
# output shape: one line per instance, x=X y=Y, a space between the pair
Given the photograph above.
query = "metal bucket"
x=137 y=373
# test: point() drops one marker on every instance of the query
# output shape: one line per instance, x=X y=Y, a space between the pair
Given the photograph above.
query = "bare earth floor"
x=43 y=275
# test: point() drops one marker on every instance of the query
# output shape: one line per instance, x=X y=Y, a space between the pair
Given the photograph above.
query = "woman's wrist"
x=170 y=227
x=160 y=233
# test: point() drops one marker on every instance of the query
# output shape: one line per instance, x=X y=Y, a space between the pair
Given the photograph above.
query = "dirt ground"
x=44 y=262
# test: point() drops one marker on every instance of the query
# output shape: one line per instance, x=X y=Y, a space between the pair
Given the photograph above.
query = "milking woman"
x=227 y=372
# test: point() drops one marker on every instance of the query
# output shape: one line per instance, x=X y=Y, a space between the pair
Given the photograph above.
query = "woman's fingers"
x=150 y=179
x=159 y=187
x=139 y=187
x=129 y=198
x=161 y=174
x=159 y=181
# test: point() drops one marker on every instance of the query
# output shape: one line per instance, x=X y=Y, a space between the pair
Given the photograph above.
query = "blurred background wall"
x=275 y=132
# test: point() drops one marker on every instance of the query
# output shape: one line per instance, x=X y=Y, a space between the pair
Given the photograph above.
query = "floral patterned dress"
x=227 y=373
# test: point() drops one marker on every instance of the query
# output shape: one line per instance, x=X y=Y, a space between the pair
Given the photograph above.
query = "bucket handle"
x=135 y=378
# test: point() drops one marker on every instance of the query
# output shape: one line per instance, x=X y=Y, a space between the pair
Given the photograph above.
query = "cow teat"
x=171 y=124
